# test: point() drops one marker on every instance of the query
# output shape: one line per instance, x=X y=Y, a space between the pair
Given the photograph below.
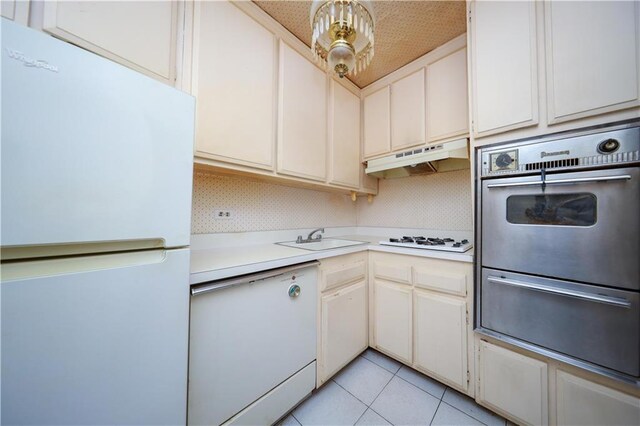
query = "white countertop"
x=224 y=261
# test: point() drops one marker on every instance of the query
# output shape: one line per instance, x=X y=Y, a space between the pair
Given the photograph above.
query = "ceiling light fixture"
x=342 y=34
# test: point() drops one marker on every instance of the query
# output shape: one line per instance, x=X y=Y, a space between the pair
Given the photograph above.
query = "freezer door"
x=91 y=151
x=96 y=340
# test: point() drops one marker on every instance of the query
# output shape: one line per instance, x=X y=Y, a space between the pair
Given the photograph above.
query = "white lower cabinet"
x=344 y=328
x=342 y=303
x=393 y=319
x=440 y=337
x=582 y=402
x=419 y=314
x=512 y=384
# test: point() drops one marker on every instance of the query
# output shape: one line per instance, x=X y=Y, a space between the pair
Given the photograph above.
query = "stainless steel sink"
x=324 y=244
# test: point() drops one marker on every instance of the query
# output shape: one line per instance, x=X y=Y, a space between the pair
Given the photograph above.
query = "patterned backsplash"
x=263 y=206
x=439 y=201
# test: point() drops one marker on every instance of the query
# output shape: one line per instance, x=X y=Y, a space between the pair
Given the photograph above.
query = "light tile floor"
x=377 y=390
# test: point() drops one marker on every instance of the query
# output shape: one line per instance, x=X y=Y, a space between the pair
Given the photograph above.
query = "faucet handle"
x=299 y=240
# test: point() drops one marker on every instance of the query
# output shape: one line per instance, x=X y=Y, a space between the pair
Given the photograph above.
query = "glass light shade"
x=342 y=35
x=341 y=58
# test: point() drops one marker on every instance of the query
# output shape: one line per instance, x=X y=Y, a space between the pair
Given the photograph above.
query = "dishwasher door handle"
x=247 y=279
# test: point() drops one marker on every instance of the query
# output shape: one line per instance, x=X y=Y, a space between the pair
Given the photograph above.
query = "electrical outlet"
x=223 y=214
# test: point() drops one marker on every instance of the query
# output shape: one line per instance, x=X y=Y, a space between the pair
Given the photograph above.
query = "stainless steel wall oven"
x=558 y=259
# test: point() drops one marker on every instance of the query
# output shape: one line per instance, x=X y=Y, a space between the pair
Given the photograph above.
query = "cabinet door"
x=377 y=136
x=440 y=337
x=368 y=183
x=447 y=99
x=17 y=11
x=581 y=402
x=504 y=66
x=138 y=34
x=513 y=384
x=235 y=108
x=407 y=111
x=345 y=137
x=393 y=318
x=592 y=57
x=343 y=330
x=302 y=120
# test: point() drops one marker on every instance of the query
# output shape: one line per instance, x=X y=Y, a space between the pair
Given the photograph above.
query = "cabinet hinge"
x=468 y=377
x=469 y=16
x=467 y=312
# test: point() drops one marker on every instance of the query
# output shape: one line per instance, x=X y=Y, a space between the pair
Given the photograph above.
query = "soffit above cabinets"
x=405 y=30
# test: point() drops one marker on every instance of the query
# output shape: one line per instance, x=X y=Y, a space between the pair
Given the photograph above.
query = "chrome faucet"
x=319 y=237
x=310 y=237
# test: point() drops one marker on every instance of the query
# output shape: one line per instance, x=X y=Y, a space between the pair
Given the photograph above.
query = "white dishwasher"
x=252 y=346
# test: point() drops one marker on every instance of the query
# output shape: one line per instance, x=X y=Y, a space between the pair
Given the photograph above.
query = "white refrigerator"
x=95 y=223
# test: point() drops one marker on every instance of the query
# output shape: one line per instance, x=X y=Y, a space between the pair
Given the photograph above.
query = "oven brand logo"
x=552 y=154
x=30 y=62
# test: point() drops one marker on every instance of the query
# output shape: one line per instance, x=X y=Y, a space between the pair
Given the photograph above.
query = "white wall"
x=439 y=201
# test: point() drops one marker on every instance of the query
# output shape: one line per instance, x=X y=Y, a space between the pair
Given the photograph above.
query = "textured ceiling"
x=405 y=30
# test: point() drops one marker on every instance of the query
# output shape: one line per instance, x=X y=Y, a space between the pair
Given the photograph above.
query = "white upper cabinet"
x=447 y=97
x=344 y=137
x=377 y=135
x=17 y=11
x=302 y=120
x=233 y=79
x=592 y=57
x=138 y=34
x=503 y=65
x=408 y=111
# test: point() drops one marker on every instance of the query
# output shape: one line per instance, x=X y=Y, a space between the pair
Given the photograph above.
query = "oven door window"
x=578 y=209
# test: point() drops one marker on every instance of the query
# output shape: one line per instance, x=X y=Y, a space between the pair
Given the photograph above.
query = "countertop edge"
x=250 y=268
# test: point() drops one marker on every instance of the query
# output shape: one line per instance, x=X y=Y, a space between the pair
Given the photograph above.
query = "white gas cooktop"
x=429 y=243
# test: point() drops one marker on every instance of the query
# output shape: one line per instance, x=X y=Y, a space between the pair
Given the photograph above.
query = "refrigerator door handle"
x=19 y=270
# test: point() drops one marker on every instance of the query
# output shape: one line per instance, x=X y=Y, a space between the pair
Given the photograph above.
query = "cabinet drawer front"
x=397 y=273
x=447 y=282
x=343 y=274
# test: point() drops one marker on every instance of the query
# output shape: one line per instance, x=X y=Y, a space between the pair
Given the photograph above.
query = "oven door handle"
x=561 y=181
x=615 y=301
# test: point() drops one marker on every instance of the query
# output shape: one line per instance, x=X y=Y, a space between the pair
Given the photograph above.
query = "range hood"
x=444 y=157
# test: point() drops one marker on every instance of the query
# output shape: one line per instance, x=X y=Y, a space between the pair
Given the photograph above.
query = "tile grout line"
x=435 y=412
x=419 y=388
x=366 y=405
x=466 y=414
x=381 y=416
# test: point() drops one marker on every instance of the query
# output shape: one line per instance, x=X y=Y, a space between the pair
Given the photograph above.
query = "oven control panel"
x=504 y=161
x=595 y=148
